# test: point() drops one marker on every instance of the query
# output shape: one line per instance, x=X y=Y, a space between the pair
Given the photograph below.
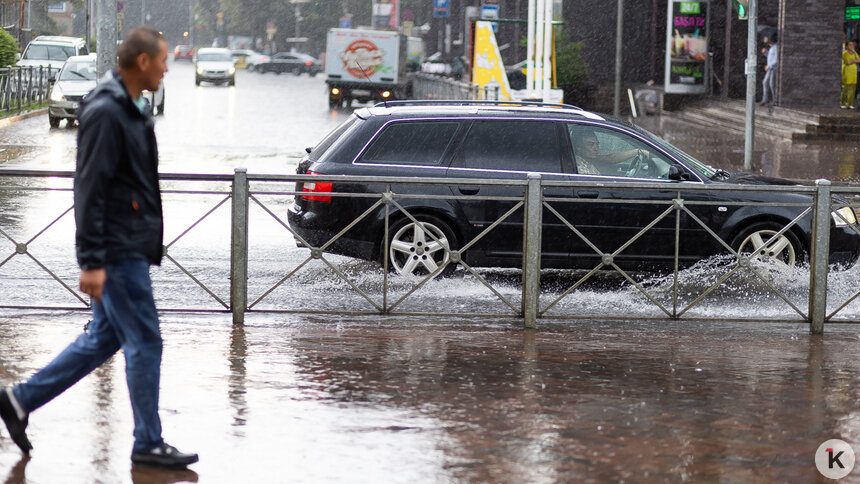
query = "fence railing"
x=23 y=87
x=429 y=86
x=530 y=302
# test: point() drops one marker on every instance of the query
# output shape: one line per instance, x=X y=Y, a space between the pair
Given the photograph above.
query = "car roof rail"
x=472 y=102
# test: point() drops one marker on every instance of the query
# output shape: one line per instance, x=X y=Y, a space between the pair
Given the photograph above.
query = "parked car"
x=52 y=51
x=215 y=65
x=76 y=78
x=504 y=141
x=248 y=59
x=183 y=52
x=291 y=62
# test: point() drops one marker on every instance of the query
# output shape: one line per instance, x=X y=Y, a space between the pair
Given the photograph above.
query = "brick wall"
x=810 y=46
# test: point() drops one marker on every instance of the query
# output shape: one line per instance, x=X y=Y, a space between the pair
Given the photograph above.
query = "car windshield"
x=705 y=170
x=48 y=52
x=214 y=57
x=77 y=71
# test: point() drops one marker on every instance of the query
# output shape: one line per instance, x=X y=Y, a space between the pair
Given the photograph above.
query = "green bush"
x=8 y=49
x=571 y=68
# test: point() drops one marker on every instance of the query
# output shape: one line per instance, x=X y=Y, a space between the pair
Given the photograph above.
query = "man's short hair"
x=580 y=135
x=141 y=40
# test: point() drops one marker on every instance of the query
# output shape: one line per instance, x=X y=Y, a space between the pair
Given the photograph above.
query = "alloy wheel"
x=414 y=251
x=780 y=250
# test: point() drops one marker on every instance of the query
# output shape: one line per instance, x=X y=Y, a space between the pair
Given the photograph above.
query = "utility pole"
x=106 y=24
x=749 y=131
x=619 y=32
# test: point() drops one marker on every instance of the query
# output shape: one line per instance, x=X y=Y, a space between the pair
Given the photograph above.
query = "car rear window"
x=329 y=139
x=48 y=52
x=511 y=145
x=412 y=143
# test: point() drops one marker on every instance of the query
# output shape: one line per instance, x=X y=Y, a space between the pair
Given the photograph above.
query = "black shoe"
x=163 y=456
x=17 y=427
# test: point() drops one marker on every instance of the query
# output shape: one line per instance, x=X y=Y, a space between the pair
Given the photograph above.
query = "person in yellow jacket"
x=850 y=59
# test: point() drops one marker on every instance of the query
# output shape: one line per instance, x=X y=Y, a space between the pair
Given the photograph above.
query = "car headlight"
x=232 y=70
x=200 y=70
x=844 y=216
x=57 y=94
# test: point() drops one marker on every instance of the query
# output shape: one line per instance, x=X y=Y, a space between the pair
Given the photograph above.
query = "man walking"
x=119 y=235
x=768 y=84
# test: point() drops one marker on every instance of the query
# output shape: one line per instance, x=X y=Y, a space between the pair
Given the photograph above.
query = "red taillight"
x=309 y=63
x=317 y=187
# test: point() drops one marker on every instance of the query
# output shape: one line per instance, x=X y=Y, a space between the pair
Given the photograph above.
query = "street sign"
x=441 y=8
x=491 y=12
x=345 y=23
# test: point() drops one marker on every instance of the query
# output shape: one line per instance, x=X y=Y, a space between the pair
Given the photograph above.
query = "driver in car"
x=588 y=157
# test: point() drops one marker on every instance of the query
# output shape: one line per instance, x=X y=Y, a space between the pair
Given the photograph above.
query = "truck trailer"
x=365 y=65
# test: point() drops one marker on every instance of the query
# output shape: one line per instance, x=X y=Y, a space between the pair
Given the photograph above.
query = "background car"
x=156 y=99
x=248 y=59
x=52 y=50
x=214 y=65
x=292 y=62
x=183 y=52
x=76 y=78
x=502 y=141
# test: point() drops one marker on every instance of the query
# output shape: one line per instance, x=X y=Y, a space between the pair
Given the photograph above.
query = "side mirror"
x=308 y=149
x=678 y=174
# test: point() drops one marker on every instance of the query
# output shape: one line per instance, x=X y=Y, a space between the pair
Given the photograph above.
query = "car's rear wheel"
x=786 y=249
x=412 y=250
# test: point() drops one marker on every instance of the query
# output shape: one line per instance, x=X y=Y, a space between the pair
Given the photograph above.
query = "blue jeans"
x=126 y=318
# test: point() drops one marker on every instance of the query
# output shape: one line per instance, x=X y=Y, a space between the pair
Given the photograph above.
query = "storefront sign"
x=687 y=68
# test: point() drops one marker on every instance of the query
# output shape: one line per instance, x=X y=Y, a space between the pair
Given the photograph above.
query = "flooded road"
x=310 y=399
x=339 y=398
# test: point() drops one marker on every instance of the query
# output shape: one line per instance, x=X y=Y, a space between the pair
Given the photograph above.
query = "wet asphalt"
x=335 y=398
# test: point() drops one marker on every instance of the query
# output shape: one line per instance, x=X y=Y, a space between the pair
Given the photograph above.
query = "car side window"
x=412 y=143
x=602 y=151
x=511 y=145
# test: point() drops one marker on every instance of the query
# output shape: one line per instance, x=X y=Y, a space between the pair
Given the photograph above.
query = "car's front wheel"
x=54 y=121
x=785 y=249
x=420 y=249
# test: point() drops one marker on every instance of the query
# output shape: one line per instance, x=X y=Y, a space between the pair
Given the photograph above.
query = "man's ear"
x=143 y=61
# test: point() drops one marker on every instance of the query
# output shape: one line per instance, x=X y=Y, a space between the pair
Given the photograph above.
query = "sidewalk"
x=14 y=118
x=315 y=399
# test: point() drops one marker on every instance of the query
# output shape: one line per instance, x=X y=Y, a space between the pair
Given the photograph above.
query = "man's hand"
x=92 y=283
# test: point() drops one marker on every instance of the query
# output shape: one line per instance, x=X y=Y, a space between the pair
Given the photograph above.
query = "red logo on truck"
x=362 y=58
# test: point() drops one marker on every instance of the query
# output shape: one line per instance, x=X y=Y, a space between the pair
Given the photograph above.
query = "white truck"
x=365 y=65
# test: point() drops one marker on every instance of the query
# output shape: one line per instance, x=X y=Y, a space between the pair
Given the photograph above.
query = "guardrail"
x=428 y=86
x=245 y=191
x=22 y=87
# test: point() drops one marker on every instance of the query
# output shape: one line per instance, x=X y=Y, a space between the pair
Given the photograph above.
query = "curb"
x=20 y=117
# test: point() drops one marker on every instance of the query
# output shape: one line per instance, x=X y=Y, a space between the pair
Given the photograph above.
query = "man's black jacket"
x=117 y=198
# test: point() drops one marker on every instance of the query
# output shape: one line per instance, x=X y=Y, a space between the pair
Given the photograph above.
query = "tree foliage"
x=571 y=67
x=8 y=48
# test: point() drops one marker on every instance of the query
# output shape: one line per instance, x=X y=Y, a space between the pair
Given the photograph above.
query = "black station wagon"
x=473 y=140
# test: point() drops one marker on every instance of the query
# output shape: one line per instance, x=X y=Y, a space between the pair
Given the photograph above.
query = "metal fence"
x=428 y=86
x=24 y=87
x=530 y=302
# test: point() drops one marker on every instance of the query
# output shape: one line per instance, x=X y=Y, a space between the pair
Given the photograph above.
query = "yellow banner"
x=487 y=67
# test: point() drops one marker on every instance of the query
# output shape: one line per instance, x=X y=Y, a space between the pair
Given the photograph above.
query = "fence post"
x=239 y=246
x=820 y=252
x=533 y=210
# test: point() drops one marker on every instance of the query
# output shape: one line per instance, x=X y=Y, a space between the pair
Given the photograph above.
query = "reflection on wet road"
x=308 y=399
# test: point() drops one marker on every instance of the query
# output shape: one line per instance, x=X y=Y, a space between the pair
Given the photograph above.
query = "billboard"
x=687 y=68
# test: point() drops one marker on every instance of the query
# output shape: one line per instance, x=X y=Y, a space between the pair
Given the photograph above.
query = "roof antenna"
x=384 y=102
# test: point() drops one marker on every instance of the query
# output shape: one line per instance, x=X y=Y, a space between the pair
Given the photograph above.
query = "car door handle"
x=469 y=190
x=587 y=194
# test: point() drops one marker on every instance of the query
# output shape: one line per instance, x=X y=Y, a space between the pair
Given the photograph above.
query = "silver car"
x=215 y=65
x=77 y=78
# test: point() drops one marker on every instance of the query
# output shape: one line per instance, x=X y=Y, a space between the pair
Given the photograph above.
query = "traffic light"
x=742 y=7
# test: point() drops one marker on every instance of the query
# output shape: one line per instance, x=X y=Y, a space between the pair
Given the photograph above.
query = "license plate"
x=74 y=105
x=360 y=92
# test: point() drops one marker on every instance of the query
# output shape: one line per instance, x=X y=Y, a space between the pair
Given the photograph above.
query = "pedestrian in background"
x=850 y=59
x=768 y=84
x=119 y=235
